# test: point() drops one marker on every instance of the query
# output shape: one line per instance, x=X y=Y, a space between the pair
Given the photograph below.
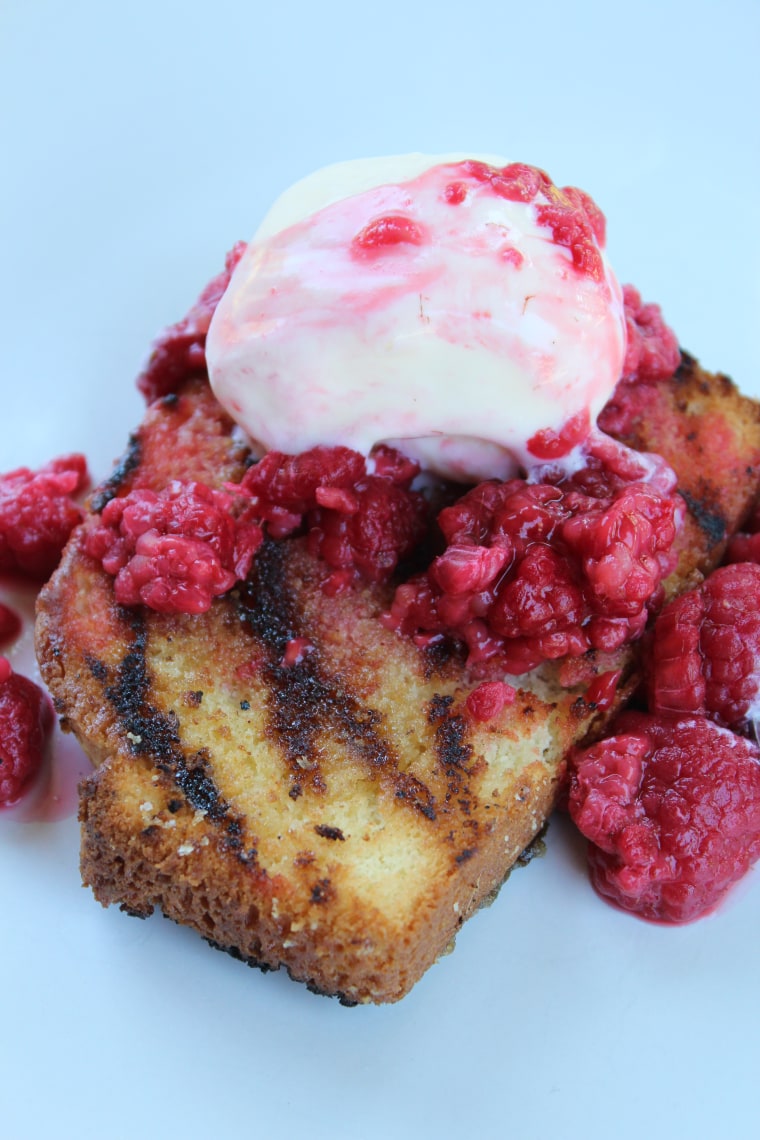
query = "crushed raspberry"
x=652 y=351
x=652 y=354
x=745 y=545
x=388 y=231
x=549 y=444
x=576 y=222
x=283 y=488
x=487 y=700
x=180 y=351
x=10 y=624
x=295 y=651
x=538 y=571
x=455 y=193
x=705 y=656
x=671 y=808
x=516 y=181
x=601 y=692
x=26 y=718
x=572 y=228
x=38 y=513
x=361 y=516
x=174 y=551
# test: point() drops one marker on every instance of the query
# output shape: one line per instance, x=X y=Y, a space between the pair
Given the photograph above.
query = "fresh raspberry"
x=382 y=526
x=180 y=351
x=487 y=700
x=624 y=549
x=652 y=351
x=174 y=551
x=705 y=656
x=361 y=516
x=671 y=808
x=26 y=718
x=538 y=571
x=10 y=624
x=744 y=546
x=283 y=488
x=541 y=599
x=37 y=515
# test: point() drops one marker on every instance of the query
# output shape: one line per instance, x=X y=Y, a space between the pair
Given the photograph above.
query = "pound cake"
x=340 y=816
x=286 y=770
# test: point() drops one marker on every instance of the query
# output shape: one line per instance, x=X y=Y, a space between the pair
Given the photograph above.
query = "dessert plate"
x=144 y=145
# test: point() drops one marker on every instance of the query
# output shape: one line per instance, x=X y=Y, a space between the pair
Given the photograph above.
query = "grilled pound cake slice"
x=340 y=815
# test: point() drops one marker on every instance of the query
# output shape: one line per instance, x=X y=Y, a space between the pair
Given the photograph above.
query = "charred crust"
x=322 y=892
x=97 y=667
x=439 y=655
x=110 y=488
x=239 y=956
x=687 y=366
x=438 y=708
x=450 y=742
x=453 y=751
x=466 y=855
x=133 y=913
x=414 y=792
x=150 y=732
x=536 y=849
x=328 y=832
x=258 y=964
x=711 y=522
x=304 y=701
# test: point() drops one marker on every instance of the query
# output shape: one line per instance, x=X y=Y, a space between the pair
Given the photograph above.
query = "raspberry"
x=283 y=488
x=387 y=232
x=26 y=718
x=571 y=228
x=652 y=351
x=705 y=656
x=357 y=521
x=180 y=351
x=174 y=551
x=383 y=525
x=10 y=624
x=549 y=444
x=487 y=700
x=624 y=549
x=37 y=515
x=745 y=545
x=537 y=571
x=671 y=808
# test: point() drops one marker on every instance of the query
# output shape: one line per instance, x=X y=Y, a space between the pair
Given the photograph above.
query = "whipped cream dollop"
x=459 y=309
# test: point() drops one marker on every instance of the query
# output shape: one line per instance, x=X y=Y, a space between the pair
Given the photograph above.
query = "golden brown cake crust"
x=343 y=816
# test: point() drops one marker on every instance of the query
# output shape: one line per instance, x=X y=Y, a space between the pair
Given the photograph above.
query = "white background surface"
x=138 y=142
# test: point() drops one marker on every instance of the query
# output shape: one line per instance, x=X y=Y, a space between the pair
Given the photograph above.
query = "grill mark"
x=305 y=702
x=452 y=748
x=128 y=463
x=155 y=733
x=711 y=523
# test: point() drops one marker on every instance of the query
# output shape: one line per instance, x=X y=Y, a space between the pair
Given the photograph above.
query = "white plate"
x=138 y=143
